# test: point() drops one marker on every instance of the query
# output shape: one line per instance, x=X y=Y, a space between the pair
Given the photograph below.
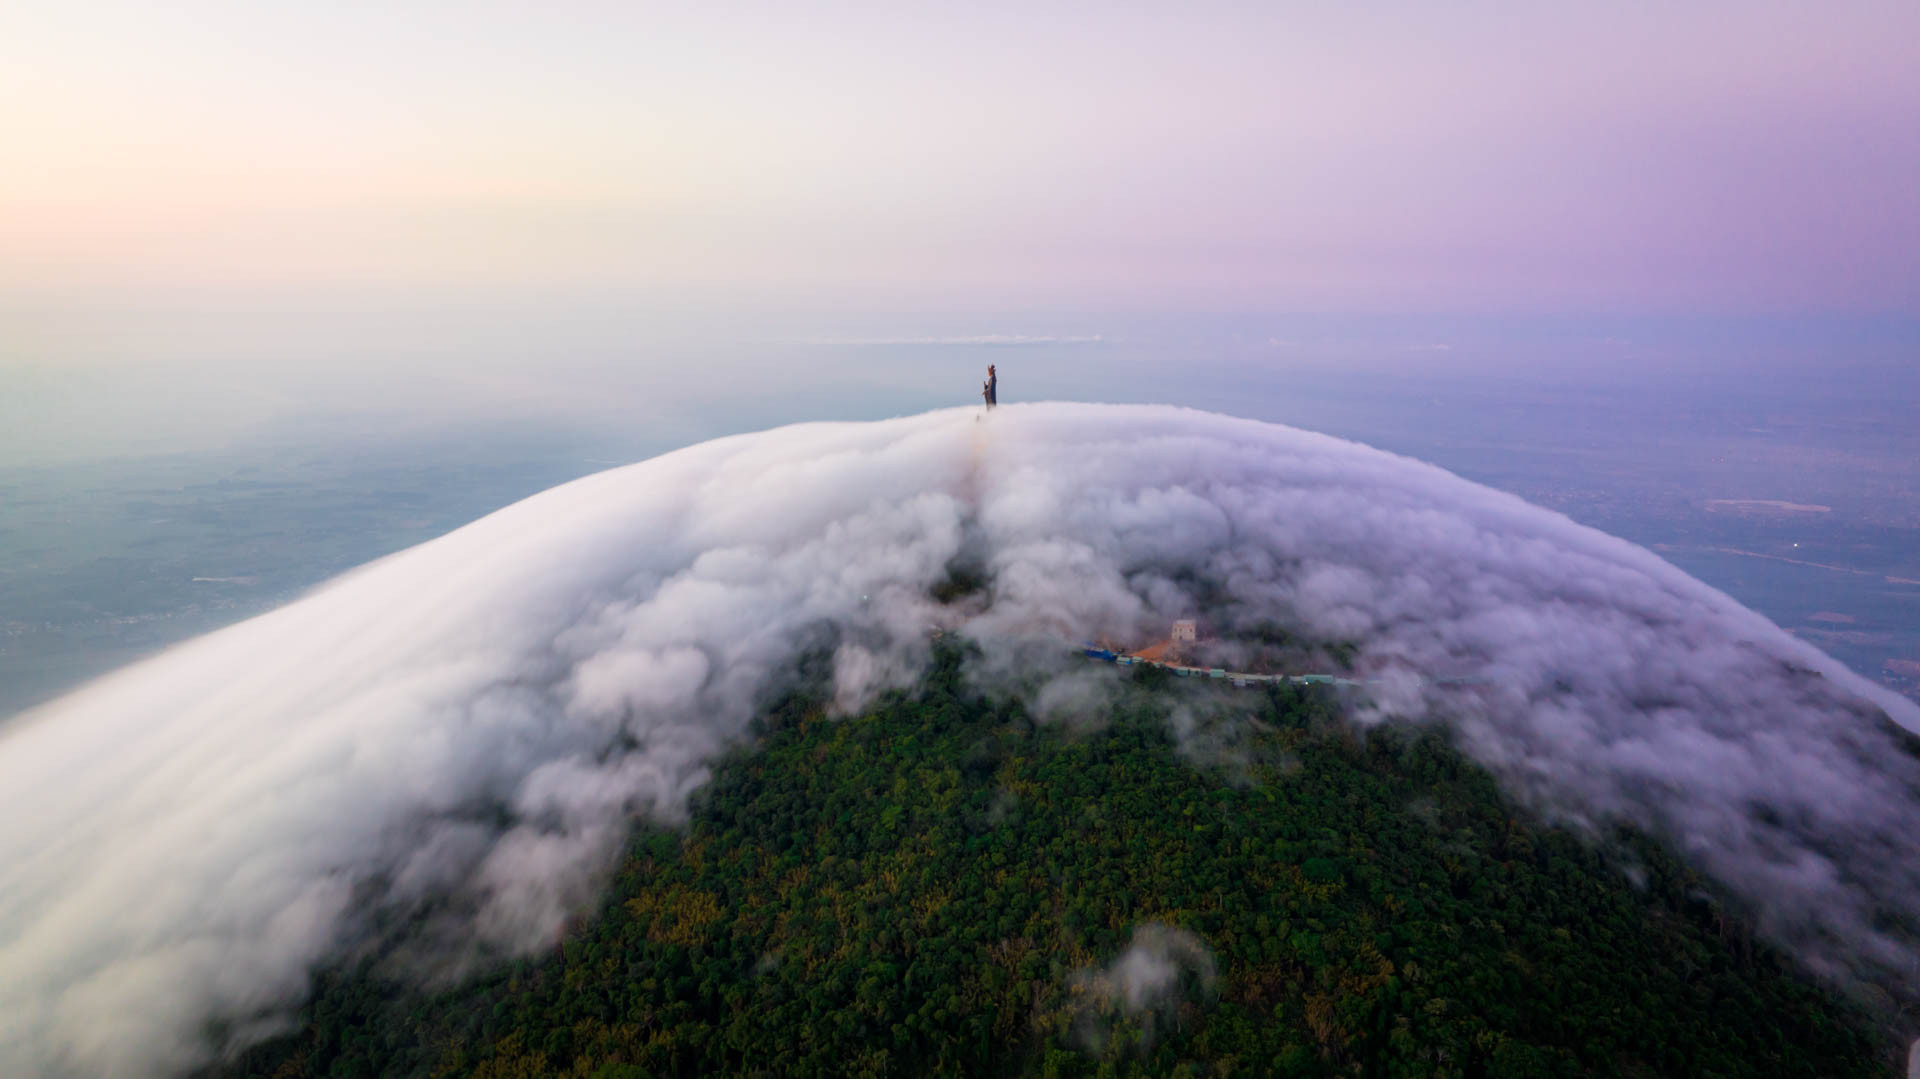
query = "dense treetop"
x=943 y=887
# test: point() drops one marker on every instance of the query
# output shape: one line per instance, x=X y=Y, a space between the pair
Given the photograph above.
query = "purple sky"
x=1709 y=158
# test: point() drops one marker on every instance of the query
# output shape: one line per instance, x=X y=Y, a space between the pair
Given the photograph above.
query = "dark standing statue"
x=991 y=389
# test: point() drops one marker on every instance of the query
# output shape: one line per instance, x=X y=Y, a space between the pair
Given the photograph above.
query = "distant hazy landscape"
x=1797 y=493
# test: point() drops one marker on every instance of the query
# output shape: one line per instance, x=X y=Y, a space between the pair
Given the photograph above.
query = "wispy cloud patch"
x=1163 y=968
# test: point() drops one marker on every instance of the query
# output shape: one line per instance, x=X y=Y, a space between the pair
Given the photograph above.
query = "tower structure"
x=1185 y=633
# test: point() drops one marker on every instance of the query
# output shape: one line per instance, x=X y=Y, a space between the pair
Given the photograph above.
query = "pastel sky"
x=1731 y=157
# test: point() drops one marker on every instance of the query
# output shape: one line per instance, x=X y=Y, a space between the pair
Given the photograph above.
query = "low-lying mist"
x=472 y=723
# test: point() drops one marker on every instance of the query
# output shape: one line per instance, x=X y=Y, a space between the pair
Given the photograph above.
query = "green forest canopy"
x=932 y=888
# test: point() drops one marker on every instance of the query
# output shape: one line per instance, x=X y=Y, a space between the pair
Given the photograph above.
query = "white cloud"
x=1162 y=966
x=186 y=837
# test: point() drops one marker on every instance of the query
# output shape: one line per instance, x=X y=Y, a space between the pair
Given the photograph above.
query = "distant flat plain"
x=1798 y=493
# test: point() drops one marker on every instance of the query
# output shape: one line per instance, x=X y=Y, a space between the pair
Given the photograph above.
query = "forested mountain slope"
x=943 y=887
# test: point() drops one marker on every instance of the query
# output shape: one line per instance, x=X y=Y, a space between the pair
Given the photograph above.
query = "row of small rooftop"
x=1236 y=678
